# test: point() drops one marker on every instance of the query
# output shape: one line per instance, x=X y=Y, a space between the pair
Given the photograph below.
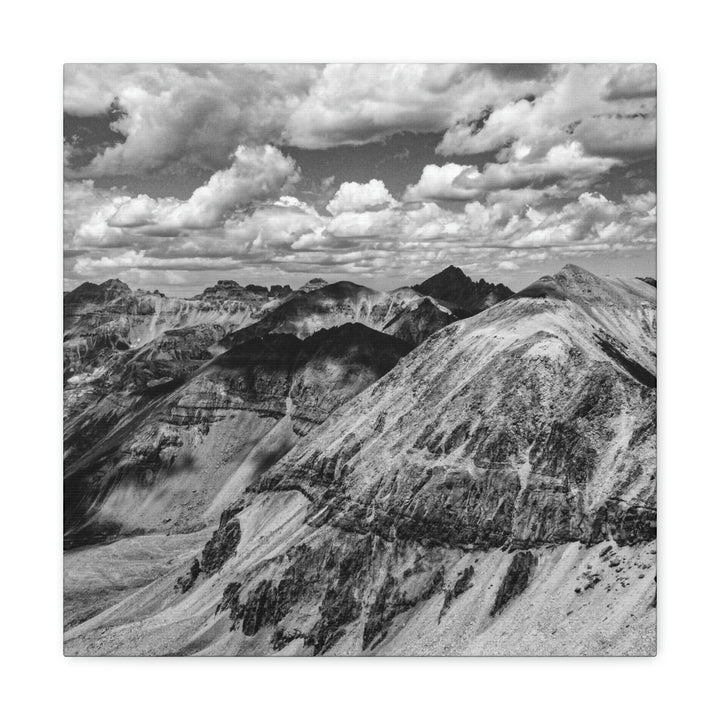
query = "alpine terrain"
x=447 y=469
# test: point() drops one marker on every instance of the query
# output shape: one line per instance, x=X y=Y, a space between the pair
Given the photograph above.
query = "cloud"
x=609 y=109
x=256 y=174
x=194 y=116
x=437 y=182
x=81 y=200
x=278 y=225
x=629 y=82
x=567 y=162
x=290 y=235
x=363 y=224
x=352 y=196
x=355 y=104
x=534 y=199
x=561 y=162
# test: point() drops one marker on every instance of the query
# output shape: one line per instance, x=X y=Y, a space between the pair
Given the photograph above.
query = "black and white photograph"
x=359 y=359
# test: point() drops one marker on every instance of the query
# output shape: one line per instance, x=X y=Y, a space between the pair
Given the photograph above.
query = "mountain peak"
x=576 y=272
x=576 y=284
x=93 y=293
x=452 y=271
x=453 y=285
x=230 y=289
x=313 y=284
x=115 y=284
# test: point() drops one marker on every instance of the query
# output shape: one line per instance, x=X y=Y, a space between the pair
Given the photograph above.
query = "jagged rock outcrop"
x=89 y=292
x=454 y=286
x=230 y=289
x=462 y=584
x=516 y=580
x=221 y=546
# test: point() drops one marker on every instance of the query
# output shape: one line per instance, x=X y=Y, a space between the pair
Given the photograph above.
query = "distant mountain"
x=101 y=320
x=229 y=289
x=453 y=285
x=89 y=292
x=314 y=284
x=304 y=313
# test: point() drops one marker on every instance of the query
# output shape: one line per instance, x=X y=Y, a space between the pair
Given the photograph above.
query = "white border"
x=682 y=40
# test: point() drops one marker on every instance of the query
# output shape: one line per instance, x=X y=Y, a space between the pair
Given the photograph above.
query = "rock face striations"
x=491 y=492
x=326 y=306
x=101 y=320
x=531 y=423
x=131 y=356
x=190 y=440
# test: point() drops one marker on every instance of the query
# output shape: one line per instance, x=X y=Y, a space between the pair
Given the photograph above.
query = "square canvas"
x=360 y=360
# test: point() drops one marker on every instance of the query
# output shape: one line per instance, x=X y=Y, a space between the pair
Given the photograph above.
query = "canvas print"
x=359 y=360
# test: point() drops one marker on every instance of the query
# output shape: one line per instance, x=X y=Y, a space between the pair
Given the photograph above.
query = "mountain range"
x=451 y=468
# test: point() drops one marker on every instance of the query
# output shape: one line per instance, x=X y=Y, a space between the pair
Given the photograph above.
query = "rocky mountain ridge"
x=492 y=493
x=454 y=286
x=166 y=457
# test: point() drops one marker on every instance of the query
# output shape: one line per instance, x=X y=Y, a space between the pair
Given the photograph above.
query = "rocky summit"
x=445 y=469
x=454 y=286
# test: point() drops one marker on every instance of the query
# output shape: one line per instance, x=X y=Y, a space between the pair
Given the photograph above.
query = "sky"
x=177 y=176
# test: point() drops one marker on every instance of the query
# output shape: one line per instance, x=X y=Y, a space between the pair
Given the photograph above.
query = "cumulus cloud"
x=81 y=201
x=290 y=234
x=352 y=196
x=552 y=136
x=354 y=104
x=561 y=162
x=438 y=182
x=567 y=162
x=193 y=115
x=256 y=174
x=196 y=115
x=610 y=109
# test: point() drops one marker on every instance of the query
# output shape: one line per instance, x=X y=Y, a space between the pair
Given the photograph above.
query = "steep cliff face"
x=494 y=493
x=177 y=449
x=101 y=321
